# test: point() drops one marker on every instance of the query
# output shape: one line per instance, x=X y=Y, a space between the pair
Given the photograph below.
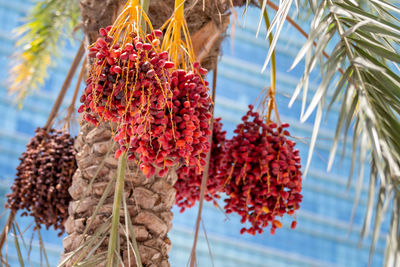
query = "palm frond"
x=365 y=35
x=118 y=195
x=276 y=24
x=17 y=246
x=47 y=27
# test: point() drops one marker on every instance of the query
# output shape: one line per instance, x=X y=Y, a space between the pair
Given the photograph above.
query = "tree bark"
x=150 y=200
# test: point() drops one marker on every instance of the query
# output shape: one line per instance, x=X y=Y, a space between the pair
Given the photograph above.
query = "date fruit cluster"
x=262 y=173
x=43 y=178
x=162 y=113
x=189 y=182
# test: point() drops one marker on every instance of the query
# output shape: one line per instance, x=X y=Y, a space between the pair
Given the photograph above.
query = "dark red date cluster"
x=123 y=77
x=43 y=178
x=162 y=115
x=189 y=182
x=262 y=174
x=178 y=133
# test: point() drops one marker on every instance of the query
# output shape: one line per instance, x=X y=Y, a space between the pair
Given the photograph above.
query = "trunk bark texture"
x=149 y=200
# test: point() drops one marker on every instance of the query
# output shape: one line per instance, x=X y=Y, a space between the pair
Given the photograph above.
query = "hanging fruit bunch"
x=261 y=167
x=188 y=183
x=161 y=112
x=43 y=178
x=262 y=170
x=46 y=169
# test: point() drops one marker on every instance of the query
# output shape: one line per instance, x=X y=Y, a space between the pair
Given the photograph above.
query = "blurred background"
x=323 y=236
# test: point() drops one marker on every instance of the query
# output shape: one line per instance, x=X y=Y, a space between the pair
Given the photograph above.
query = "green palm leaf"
x=365 y=35
x=47 y=27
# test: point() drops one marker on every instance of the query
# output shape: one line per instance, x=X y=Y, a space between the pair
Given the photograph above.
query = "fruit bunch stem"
x=272 y=102
x=180 y=48
x=65 y=87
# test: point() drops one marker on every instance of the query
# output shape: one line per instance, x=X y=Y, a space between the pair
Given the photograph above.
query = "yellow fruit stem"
x=180 y=51
x=179 y=6
x=133 y=19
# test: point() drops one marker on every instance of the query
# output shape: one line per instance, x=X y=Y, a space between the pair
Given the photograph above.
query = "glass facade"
x=323 y=236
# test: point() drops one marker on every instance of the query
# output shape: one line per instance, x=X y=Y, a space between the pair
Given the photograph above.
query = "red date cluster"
x=262 y=174
x=178 y=133
x=189 y=182
x=162 y=115
x=123 y=77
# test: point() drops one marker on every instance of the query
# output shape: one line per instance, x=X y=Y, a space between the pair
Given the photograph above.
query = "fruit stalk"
x=271 y=93
x=205 y=175
x=65 y=87
x=71 y=107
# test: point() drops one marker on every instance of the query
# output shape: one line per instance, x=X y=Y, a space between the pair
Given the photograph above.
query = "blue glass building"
x=322 y=238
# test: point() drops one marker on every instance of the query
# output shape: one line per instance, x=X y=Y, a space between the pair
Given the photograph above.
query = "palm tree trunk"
x=150 y=200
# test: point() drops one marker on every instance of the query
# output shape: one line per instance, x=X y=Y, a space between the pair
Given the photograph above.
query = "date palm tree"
x=360 y=74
